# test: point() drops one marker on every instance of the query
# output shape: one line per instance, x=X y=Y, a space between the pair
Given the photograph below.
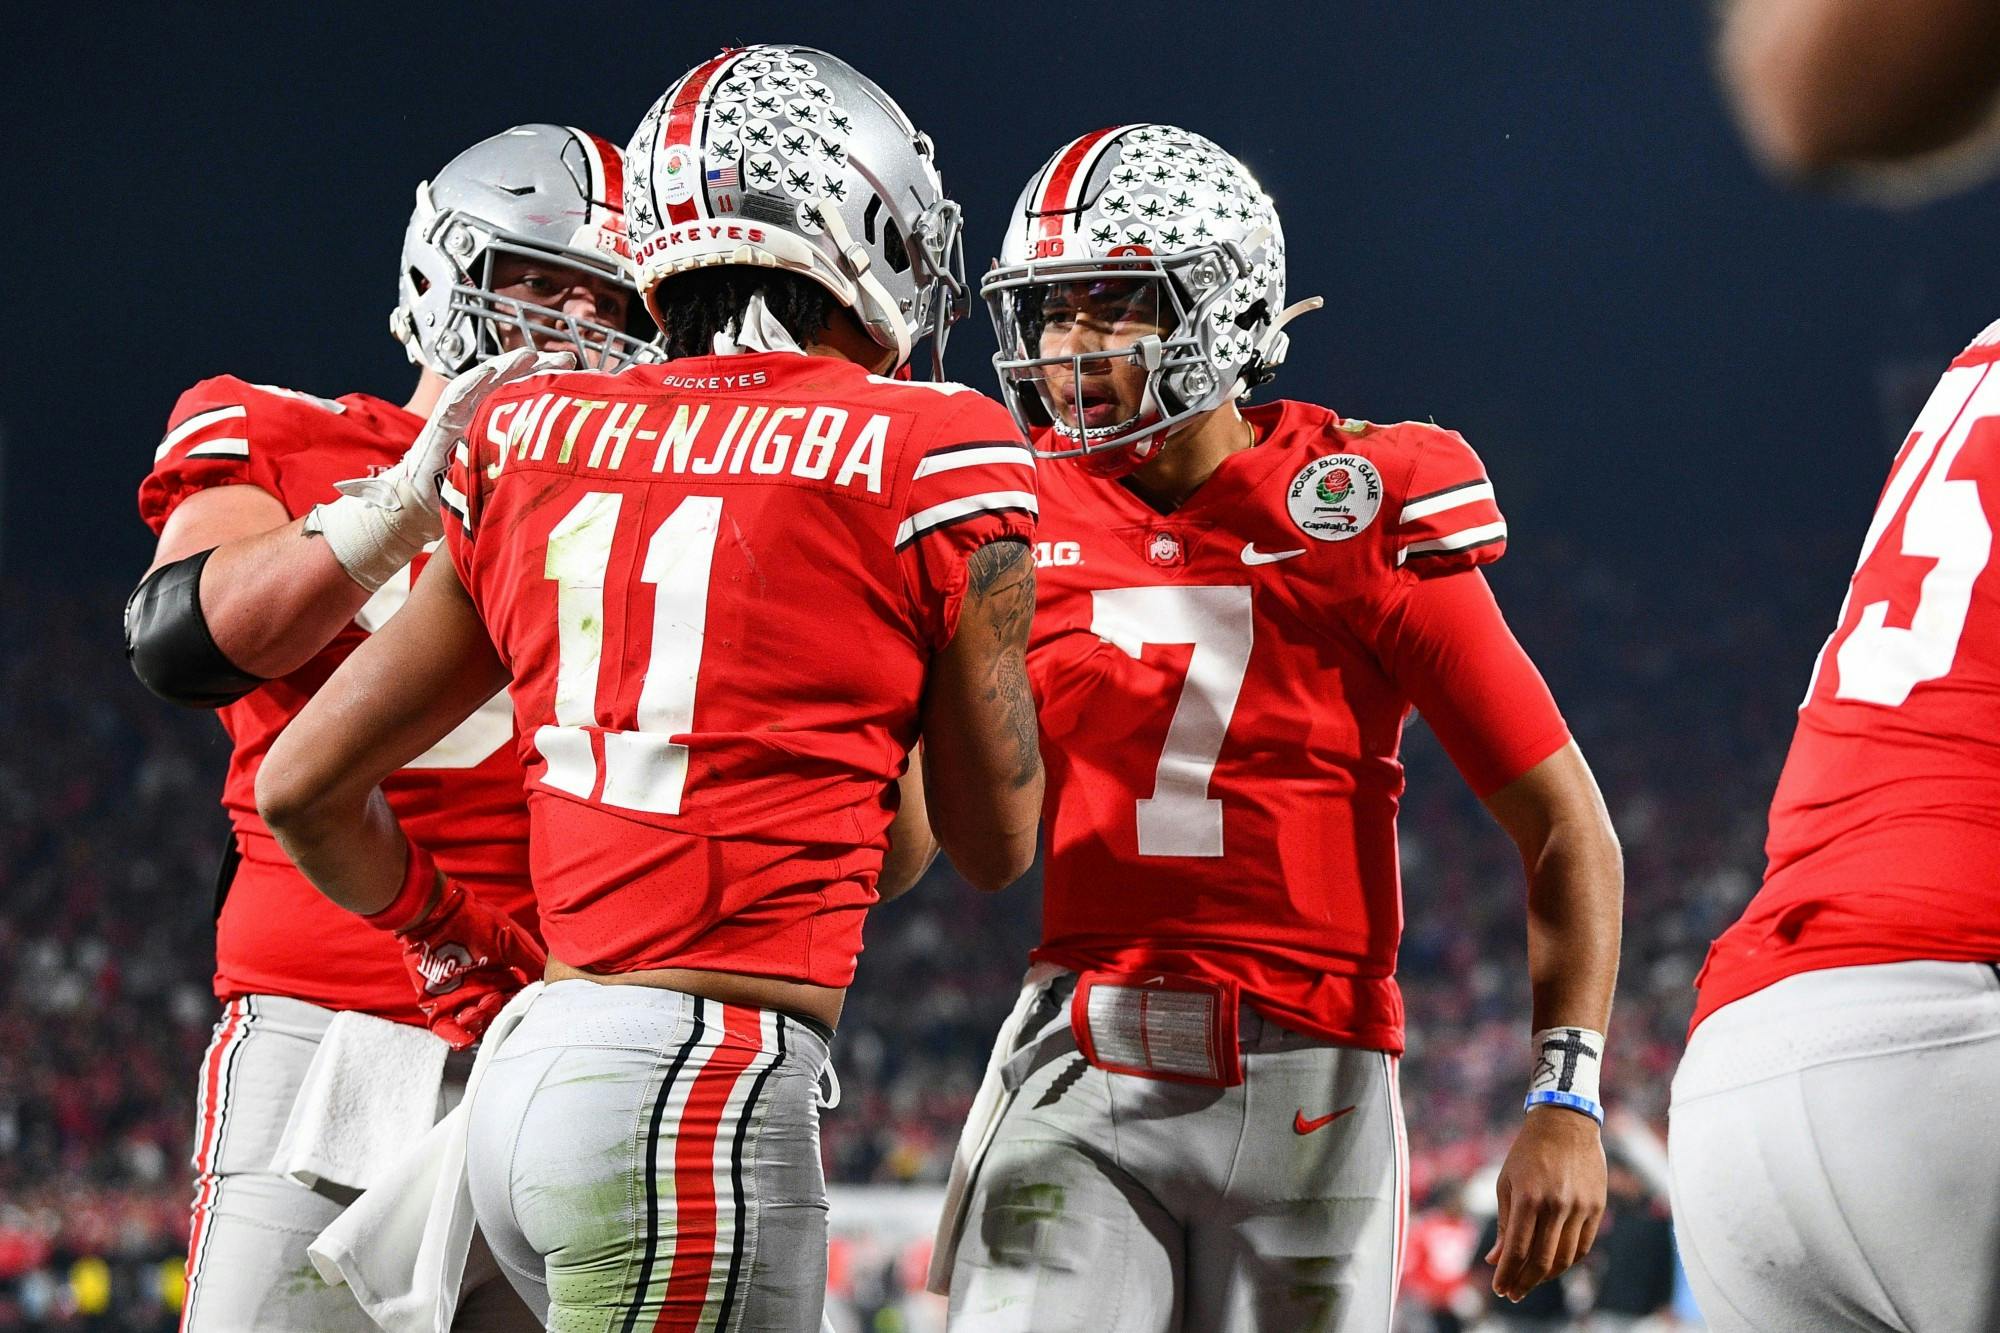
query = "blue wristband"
x=1567 y=1100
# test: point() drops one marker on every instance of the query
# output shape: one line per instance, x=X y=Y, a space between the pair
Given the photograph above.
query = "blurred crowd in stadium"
x=109 y=837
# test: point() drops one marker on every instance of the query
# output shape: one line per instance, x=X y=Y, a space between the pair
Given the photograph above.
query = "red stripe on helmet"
x=680 y=125
x=1056 y=190
x=613 y=162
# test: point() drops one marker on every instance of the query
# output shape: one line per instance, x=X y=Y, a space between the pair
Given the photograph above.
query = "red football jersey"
x=1223 y=691
x=718 y=583
x=1885 y=833
x=461 y=801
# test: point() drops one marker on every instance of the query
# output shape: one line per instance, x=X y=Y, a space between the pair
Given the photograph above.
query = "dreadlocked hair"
x=696 y=305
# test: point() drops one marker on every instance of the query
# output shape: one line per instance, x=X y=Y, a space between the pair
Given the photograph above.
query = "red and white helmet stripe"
x=686 y=200
x=784 y=156
x=1064 y=180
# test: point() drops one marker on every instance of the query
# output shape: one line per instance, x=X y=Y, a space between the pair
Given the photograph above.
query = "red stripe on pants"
x=694 y=1219
x=211 y=1137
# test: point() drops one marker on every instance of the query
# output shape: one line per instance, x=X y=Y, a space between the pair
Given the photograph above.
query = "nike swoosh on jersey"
x=1253 y=556
x=1301 y=1125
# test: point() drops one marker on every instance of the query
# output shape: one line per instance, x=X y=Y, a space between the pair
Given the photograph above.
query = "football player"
x=727 y=594
x=265 y=579
x=1192 y=1117
x=1831 y=1160
x=1831 y=1144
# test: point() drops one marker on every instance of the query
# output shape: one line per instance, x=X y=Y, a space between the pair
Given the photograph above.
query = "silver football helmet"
x=787 y=157
x=538 y=191
x=1162 y=222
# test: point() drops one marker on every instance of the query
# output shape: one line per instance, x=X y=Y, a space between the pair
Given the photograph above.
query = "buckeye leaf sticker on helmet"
x=1139 y=205
x=784 y=156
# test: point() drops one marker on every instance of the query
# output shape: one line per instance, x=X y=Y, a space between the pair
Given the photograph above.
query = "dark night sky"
x=1530 y=222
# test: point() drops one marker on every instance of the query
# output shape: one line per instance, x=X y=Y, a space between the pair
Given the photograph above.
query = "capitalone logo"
x=1334 y=497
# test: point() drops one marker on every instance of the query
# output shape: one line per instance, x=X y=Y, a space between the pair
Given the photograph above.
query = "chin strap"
x=1270 y=351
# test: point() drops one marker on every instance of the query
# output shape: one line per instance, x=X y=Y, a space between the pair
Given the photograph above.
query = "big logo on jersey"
x=1335 y=497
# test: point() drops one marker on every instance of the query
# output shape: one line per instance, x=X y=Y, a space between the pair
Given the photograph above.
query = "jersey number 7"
x=1179 y=818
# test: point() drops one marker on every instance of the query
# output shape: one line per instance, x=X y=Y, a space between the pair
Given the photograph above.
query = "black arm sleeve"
x=168 y=643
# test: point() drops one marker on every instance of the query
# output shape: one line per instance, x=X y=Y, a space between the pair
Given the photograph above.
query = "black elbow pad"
x=168 y=643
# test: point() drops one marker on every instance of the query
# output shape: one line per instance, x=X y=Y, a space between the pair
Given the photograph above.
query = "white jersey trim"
x=939 y=514
x=1456 y=541
x=952 y=460
x=1470 y=493
x=946 y=387
x=198 y=422
x=226 y=448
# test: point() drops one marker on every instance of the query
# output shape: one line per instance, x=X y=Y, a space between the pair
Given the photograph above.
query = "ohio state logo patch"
x=1335 y=497
x=443 y=967
x=1164 y=548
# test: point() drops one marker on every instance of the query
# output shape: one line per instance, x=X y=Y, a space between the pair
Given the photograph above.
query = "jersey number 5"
x=1944 y=522
x=643 y=769
x=1179 y=818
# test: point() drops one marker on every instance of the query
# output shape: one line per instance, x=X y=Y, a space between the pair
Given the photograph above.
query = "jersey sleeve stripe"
x=1451 y=497
x=964 y=507
x=1463 y=539
x=197 y=423
x=227 y=447
x=946 y=387
x=973 y=455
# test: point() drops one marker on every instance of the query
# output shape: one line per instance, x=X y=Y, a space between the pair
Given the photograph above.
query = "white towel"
x=371 y=1091
x=402 y=1246
x=757 y=330
x=982 y=1122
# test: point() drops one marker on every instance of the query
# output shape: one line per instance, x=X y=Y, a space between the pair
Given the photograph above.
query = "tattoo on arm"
x=1001 y=576
x=1000 y=561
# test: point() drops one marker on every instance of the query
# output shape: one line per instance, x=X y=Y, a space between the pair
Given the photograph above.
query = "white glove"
x=380 y=523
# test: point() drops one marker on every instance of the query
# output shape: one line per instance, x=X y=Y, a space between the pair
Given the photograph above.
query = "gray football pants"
x=639 y=1159
x=1111 y=1203
x=1835 y=1155
x=247 y=1265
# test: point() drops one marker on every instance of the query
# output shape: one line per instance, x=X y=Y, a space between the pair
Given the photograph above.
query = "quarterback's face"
x=1103 y=315
x=583 y=296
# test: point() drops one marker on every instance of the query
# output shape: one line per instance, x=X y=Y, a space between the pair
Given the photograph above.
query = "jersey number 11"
x=643 y=768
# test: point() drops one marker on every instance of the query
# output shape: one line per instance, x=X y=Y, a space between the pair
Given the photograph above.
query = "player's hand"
x=409 y=490
x=467 y=960
x=1551 y=1200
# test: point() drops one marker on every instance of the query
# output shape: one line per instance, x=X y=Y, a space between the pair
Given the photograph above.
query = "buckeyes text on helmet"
x=544 y=194
x=787 y=157
x=1174 y=224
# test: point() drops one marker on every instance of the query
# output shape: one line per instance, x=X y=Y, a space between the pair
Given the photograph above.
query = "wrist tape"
x=371 y=542
x=413 y=899
x=1568 y=1063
